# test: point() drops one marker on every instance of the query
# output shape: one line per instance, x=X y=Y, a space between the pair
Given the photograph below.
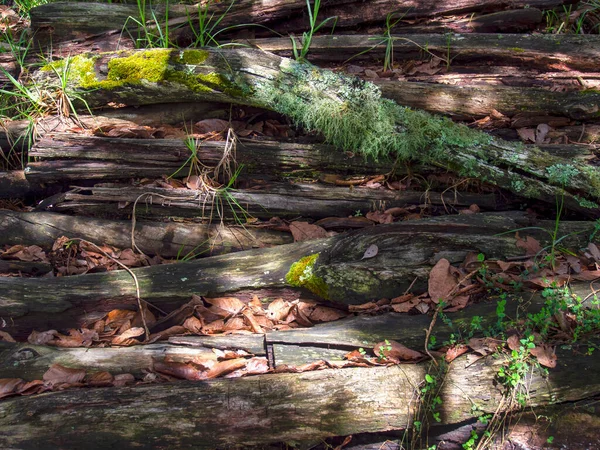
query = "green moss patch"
x=301 y=275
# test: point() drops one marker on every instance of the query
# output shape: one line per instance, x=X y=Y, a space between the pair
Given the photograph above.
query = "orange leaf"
x=225 y=367
x=8 y=386
x=225 y=306
x=126 y=337
x=58 y=374
x=396 y=352
x=303 y=231
x=441 y=281
x=100 y=379
x=545 y=355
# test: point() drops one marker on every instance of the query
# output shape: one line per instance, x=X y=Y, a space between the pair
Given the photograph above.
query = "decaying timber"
x=255 y=409
x=338 y=272
x=170 y=239
x=284 y=200
x=350 y=113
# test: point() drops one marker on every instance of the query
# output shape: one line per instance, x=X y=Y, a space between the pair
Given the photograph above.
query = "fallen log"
x=406 y=253
x=58 y=22
x=350 y=113
x=169 y=239
x=14 y=184
x=66 y=156
x=268 y=408
x=532 y=50
x=329 y=341
x=463 y=102
x=284 y=200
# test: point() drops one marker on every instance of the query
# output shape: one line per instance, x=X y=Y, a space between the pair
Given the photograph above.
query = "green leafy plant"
x=301 y=52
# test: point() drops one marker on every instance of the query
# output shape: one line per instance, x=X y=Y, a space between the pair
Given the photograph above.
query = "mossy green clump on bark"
x=153 y=66
x=301 y=275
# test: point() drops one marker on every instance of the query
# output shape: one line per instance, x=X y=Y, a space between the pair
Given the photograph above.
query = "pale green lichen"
x=301 y=275
x=352 y=115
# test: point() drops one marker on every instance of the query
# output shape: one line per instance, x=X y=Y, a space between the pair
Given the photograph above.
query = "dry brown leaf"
x=185 y=371
x=303 y=231
x=218 y=326
x=165 y=334
x=455 y=351
x=252 y=321
x=117 y=317
x=225 y=306
x=76 y=338
x=235 y=324
x=123 y=379
x=396 y=352
x=526 y=134
x=513 y=342
x=193 y=324
x=370 y=252
x=545 y=355
x=224 y=367
x=9 y=386
x=42 y=338
x=484 y=346
x=325 y=314
x=100 y=379
x=58 y=374
x=530 y=244
x=441 y=281
x=406 y=306
x=127 y=337
x=4 y=336
x=380 y=217
x=211 y=126
x=278 y=309
x=422 y=307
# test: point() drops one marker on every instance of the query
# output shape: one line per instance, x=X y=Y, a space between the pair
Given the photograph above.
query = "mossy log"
x=274 y=408
x=169 y=239
x=349 y=112
x=335 y=267
x=284 y=200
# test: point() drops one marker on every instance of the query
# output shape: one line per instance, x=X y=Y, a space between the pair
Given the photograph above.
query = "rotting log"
x=570 y=52
x=276 y=407
x=170 y=239
x=14 y=184
x=62 y=156
x=58 y=22
x=338 y=272
x=479 y=101
x=328 y=341
x=263 y=201
x=349 y=112
x=66 y=156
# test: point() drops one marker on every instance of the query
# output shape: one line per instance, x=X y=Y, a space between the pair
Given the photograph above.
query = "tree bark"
x=65 y=156
x=329 y=341
x=336 y=106
x=57 y=23
x=571 y=52
x=406 y=253
x=169 y=239
x=462 y=102
x=284 y=200
x=263 y=409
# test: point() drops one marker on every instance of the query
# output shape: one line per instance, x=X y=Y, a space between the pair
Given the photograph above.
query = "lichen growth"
x=301 y=275
x=351 y=114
